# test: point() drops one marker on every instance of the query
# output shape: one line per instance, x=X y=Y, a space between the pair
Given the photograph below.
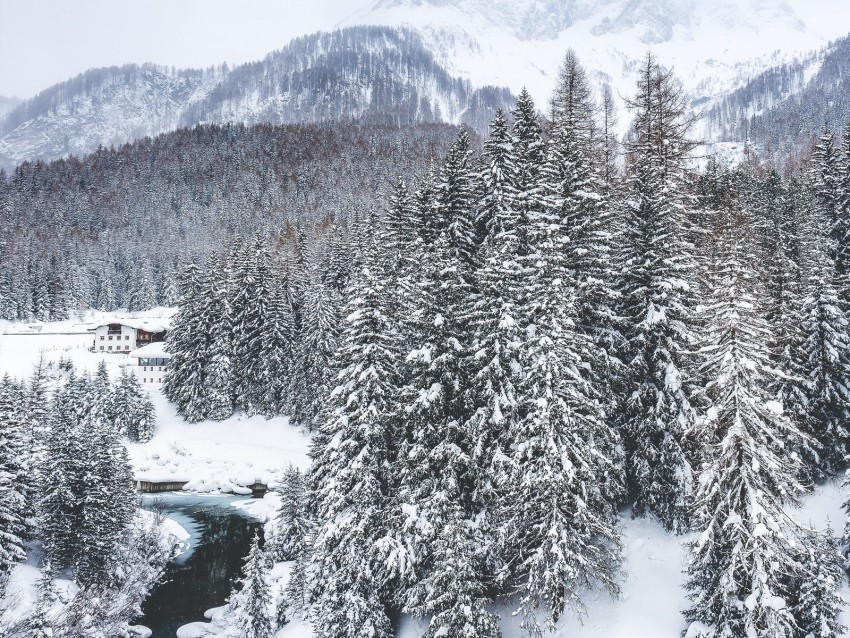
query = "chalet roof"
x=150 y=351
x=159 y=324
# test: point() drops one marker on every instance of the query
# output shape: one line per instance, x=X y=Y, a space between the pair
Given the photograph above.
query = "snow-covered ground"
x=212 y=456
x=225 y=456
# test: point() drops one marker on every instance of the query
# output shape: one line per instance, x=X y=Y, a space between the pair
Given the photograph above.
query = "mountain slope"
x=381 y=75
x=782 y=110
x=432 y=60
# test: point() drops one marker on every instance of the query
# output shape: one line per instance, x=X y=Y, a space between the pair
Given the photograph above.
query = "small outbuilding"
x=152 y=360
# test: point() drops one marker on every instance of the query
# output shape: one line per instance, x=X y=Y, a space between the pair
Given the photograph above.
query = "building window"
x=110 y=348
x=127 y=347
x=110 y=337
x=127 y=338
x=101 y=337
x=101 y=347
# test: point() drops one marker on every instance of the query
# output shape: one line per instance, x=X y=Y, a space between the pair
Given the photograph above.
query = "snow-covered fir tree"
x=439 y=479
x=87 y=497
x=824 y=347
x=13 y=486
x=818 y=603
x=656 y=288
x=254 y=611
x=351 y=476
x=131 y=410
x=561 y=486
x=750 y=558
x=312 y=373
x=184 y=383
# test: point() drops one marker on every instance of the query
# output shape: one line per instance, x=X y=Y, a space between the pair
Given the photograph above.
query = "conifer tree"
x=185 y=383
x=437 y=473
x=746 y=563
x=576 y=199
x=819 y=603
x=292 y=523
x=132 y=412
x=13 y=470
x=312 y=372
x=655 y=292
x=351 y=475
x=254 y=617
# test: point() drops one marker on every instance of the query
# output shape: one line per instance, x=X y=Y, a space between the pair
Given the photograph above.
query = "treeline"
x=377 y=75
x=780 y=112
x=530 y=340
x=65 y=481
x=113 y=229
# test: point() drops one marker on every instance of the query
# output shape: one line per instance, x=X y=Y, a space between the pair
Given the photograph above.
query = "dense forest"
x=530 y=340
x=112 y=229
x=500 y=349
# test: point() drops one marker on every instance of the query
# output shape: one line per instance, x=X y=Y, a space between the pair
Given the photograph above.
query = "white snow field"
x=224 y=457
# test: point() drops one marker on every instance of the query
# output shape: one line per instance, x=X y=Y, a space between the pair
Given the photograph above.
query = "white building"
x=152 y=360
x=120 y=336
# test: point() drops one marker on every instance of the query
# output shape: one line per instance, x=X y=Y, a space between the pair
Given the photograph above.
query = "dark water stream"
x=202 y=577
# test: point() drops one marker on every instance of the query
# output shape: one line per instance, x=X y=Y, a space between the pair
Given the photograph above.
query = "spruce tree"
x=217 y=356
x=132 y=412
x=819 y=602
x=13 y=470
x=656 y=287
x=185 y=382
x=438 y=476
x=292 y=524
x=824 y=348
x=254 y=618
x=312 y=371
x=746 y=564
x=351 y=480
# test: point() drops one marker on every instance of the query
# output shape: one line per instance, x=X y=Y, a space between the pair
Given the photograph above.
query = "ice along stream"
x=203 y=575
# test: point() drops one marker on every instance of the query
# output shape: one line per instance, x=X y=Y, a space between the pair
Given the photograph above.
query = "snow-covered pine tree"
x=351 y=477
x=496 y=322
x=818 y=603
x=278 y=355
x=438 y=478
x=216 y=325
x=750 y=558
x=62 y=474
x=132 y=412
x=141 y=294
x=185 y=383
x=656 y=285
x=779 y=206
x=312 y=373
x=825 y=327
x=576 y=199
x=254 y=611
x=13 y=483
x=291 y=524
x=292 y=538
x=840 y=230
x=560 y=487
x=108 y=501
x=261 y=352
x=39 y=623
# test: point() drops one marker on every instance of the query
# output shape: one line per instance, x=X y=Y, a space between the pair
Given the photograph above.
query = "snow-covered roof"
x=150 y=351
x=160 y=324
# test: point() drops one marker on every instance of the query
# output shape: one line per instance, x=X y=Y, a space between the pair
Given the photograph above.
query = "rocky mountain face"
x=381 y=75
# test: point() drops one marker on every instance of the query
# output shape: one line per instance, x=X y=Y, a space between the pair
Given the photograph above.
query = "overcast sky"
x=43 y=42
